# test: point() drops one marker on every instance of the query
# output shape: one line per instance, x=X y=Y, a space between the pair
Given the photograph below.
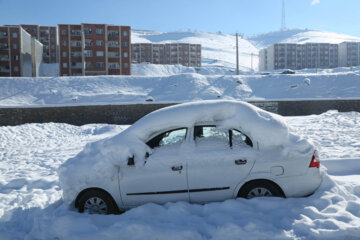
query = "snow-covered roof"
x=266 y=128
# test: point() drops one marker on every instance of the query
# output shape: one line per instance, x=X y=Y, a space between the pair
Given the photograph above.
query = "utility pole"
x=252 y=67
x=237 y=54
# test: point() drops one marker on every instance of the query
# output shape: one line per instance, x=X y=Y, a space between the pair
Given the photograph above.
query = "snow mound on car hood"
x=99 y=160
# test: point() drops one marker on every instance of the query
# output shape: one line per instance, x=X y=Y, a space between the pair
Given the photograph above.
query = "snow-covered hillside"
x=31 y=205
x=183 y=87
x=217 y=49
x=299 y=36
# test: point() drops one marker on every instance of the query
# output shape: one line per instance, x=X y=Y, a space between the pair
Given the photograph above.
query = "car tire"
x=260 y=188
x=97 y=202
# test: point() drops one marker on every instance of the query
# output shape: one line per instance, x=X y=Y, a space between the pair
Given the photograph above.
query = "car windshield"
x=167 y=138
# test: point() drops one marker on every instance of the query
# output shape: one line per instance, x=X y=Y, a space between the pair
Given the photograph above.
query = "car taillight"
x=315 y=161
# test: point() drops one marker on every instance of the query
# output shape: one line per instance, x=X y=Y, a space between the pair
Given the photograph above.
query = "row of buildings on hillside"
x=85 y=49
x=309 y=55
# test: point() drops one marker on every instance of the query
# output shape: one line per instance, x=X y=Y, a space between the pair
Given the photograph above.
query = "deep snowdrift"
x=48 y=91
x=31 y=207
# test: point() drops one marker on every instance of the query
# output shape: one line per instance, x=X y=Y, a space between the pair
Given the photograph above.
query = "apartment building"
x=20 y=54
x=170 y=53
x=48 y=37
x=299 y=56
x=349 y=54
x=94 y=49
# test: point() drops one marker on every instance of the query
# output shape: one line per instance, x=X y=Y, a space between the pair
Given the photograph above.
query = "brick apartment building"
x=20 y=54
x=299 y=56
x=48 y=37
x=170 y=53
x=94 y=49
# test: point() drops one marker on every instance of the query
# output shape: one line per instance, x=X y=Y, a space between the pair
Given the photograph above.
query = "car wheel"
x=260 y=188
x=97 y=202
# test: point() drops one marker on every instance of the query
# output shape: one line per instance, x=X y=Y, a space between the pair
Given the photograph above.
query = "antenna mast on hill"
x=283 y=23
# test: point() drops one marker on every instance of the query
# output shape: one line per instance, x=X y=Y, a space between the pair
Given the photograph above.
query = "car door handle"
x=177 y=168
x=240 y=162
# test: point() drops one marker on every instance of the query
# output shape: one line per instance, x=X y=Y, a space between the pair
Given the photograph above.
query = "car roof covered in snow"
x=262 y=126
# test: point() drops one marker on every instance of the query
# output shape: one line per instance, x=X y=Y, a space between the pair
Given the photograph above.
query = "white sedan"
x=197 y=152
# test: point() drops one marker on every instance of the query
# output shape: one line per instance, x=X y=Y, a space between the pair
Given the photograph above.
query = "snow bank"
x=331 y=213
x=184 y=87
x=147 y=69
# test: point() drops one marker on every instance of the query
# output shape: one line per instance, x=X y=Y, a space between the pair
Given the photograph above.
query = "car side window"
x=168 y=138
x=209 y=135
x=239 y=139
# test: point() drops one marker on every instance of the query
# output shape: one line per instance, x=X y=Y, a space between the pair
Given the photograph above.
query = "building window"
x=126 y=65
x=64 y=43
x=15 y=46
x=16 y=69
x=52 y=40
x=53 y=54
x=64 y=54
x=88 y=43
x=125 y=54
x=88 y=64
x=87 y=31
x=88 y=53
x=99 y=64
x=99 y=43
x=99 y=53
x=14 y=35
x=3 y=34
x=65 y=65
x=113 y=44
x=125 y=44
x=53 y=47
x=63 y=32
x=99 y=31
x=125 y=33
x=114 y=66
x=16 y=57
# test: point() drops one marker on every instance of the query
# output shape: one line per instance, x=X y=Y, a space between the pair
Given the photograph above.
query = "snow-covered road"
x=31 y=206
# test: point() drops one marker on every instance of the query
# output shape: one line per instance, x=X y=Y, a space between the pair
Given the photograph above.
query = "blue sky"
x=228 y=16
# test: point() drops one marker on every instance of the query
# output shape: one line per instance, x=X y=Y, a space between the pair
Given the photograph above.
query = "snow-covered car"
x=196 y=152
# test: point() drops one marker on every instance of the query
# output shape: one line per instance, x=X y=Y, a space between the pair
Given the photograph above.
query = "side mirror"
x=131 y=161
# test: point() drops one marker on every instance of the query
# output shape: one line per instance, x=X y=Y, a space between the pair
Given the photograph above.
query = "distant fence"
x=129 y=113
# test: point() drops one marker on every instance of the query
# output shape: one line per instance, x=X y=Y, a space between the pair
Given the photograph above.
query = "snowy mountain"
x=299 y=36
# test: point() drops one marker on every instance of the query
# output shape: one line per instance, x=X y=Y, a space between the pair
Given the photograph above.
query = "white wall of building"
x=25 y=54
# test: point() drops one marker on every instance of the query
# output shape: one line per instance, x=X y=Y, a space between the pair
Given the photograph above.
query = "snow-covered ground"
x=165 y=86
x=31 y=205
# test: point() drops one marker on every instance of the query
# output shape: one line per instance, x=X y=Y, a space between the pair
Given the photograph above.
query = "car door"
x=220 y=160
x=163 y=177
